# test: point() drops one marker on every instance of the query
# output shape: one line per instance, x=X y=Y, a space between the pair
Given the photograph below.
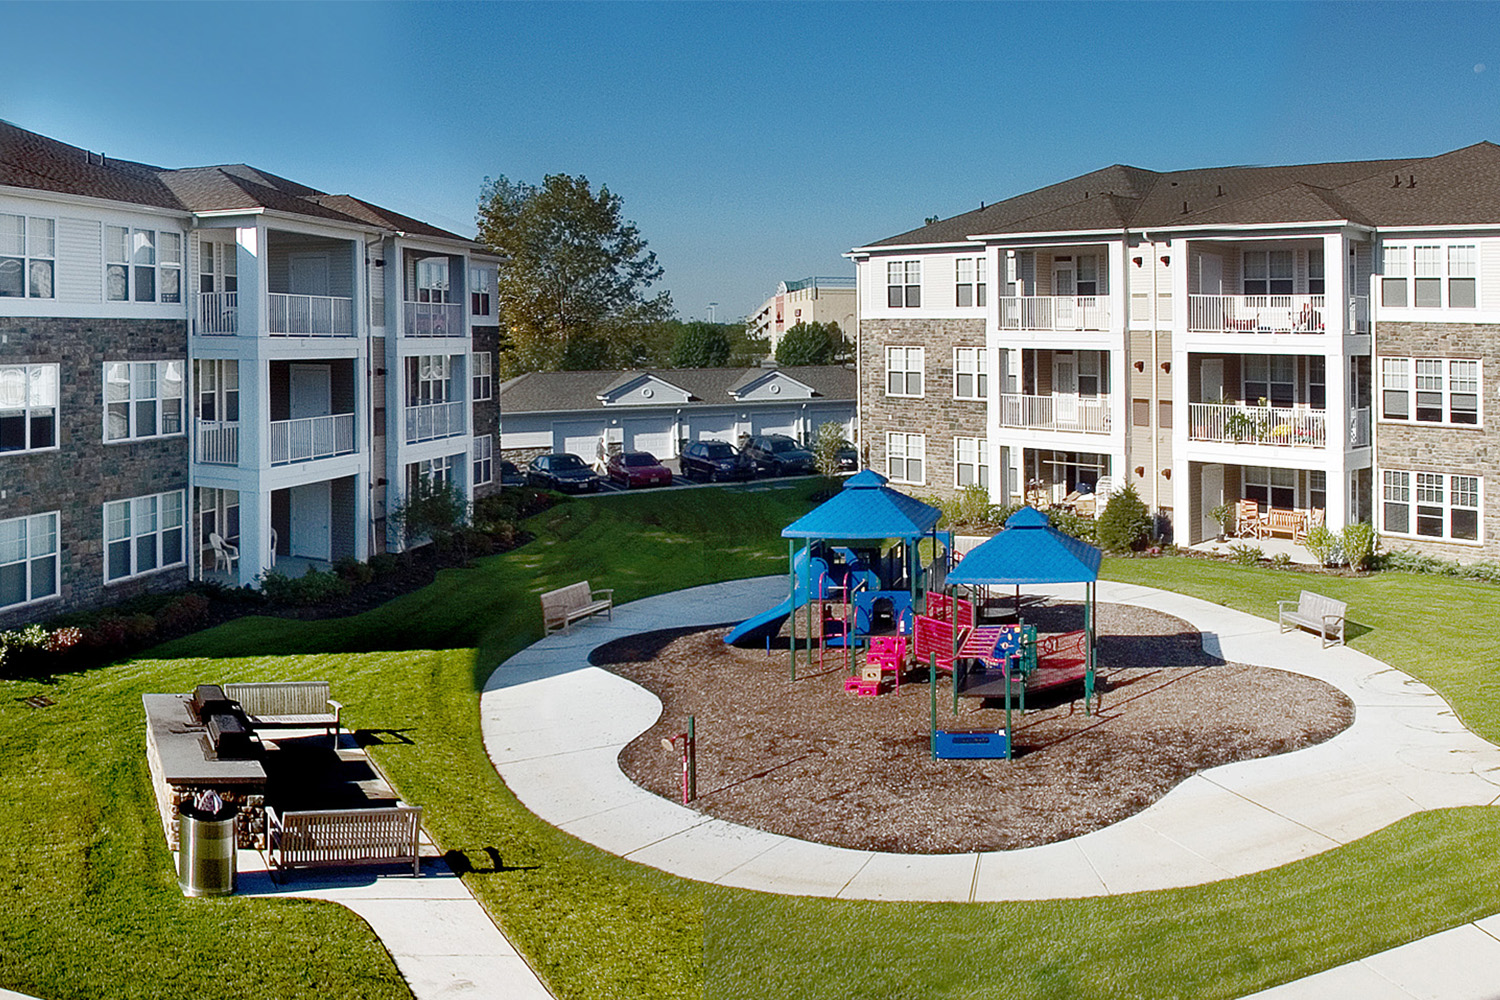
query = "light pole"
x=711 y=307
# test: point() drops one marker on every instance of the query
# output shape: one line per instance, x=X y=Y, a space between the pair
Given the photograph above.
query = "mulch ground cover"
x=808 y=760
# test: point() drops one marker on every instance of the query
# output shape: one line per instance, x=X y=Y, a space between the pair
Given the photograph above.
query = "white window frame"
x=437 y=379
x=484 y=375
x=30 y=247
x=481 y=291
x=146 y=522
x=135 y=399
x=1451 y=264
x=1451 y=378
x=970 y=283
x=31 y=527
x=132 y=253
x=972 y=454
x=32 y=383
x=1435 y=491
x=903 y=284
x=484 y=460
x=434 y=470
x=905 y=454
x=906 y=362
x=970 y=363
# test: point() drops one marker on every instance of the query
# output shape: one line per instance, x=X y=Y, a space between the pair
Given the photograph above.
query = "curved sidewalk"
x=554 y=725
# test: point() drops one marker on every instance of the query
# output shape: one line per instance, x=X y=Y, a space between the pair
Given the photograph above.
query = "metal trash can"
x=206 y=846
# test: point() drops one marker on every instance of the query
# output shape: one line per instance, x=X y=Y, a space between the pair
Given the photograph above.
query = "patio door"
x=1064 y=288
x=1065 y=389
x=308 y=273
x=1212 y=494
x=1211 y=371
x=312 y=521
x=311 y=391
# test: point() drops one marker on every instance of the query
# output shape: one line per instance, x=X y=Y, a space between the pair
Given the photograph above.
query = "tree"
x=700 y=345
x=826 y=448
x=1125 y=523
x=574 y=274
x=812 y=344
x=432 y=510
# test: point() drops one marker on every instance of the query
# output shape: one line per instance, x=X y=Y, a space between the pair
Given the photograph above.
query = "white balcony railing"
x=434 y=420
x=434 y=319
x=1054 y=312
x=219 y=442
x=1256 y=314
x=1359 y=428
x=218 y=314
x=1081 y=414
x=307 y=438
x=309 y=315
x=1277 y=426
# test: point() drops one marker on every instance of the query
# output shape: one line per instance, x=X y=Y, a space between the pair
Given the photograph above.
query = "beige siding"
x=80 y=261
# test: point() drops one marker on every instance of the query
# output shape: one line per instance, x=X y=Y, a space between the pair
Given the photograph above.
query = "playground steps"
x=991 y=684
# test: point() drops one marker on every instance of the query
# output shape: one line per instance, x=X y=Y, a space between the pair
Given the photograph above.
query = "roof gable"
x=772 y=383
x=643 y=389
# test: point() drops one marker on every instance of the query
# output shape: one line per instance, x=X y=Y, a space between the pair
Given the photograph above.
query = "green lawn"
x=83 y=864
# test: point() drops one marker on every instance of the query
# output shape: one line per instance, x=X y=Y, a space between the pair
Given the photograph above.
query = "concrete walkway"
x=554 y=726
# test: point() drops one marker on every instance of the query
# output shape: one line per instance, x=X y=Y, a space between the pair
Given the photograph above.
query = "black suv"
x=713 y=461
x=779 y=455
x=562 y=471
x=510 y=475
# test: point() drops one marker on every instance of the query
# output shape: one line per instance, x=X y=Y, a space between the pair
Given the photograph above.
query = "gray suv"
x=779 y=455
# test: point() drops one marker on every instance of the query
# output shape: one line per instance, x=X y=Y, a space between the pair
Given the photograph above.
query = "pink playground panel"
x=938 y=606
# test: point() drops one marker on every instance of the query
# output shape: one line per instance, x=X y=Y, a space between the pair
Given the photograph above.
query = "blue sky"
x=751 y=142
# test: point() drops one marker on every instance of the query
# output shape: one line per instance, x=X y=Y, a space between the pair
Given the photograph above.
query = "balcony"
x=1276 y=426
x=219 y=442
x=435 y=420
x=309 y=315
x=218 y=314
x=1270 y=314
x=1359 y=428
x=1076 y=414
x=1054 y=312
x=307 y=439
x=434 y=319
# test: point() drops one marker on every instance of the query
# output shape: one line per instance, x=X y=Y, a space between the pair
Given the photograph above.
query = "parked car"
x=848 y=457
x=714 y=461
x=637 y=468
x=510 y=475
x=562 y=471
x=779 y=455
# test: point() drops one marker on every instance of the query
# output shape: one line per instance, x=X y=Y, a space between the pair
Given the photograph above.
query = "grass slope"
x=82 y=861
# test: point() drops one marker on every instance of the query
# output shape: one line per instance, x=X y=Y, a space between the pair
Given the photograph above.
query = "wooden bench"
x=1322 y=614
x=566 y=605
x=315 y=838
x=288 y=705
x=1279 y=521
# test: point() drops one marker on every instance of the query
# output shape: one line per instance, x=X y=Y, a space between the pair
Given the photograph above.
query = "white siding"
x=375 y=277
x=1489 y=274
x=80 y=260
x=937 y=281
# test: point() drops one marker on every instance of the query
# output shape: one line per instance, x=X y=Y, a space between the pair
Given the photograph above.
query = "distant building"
x=811 y=300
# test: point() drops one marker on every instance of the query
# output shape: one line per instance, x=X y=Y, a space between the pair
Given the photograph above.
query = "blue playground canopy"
x=1028 y=551
x=866 y=508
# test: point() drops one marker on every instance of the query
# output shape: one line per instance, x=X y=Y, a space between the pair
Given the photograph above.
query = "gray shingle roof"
x=1456 y=188
x=552 y=392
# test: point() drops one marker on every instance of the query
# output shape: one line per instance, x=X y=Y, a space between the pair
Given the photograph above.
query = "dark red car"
x=637 y=468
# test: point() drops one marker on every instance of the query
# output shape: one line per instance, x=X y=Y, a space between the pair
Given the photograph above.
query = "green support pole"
x=1088 y=651
x=913 y=561
x=692 y=759
x=791 y=597
x=1008 y=739
x=807 y=559
x=932 y=694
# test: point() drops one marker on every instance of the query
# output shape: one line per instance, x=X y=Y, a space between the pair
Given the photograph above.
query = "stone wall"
x=487 y=412
x=936 y=414
x=84 y=473
x=1441 y=448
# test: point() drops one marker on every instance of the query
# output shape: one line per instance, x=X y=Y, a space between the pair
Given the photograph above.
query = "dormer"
x=643 y=389
x=769 y=384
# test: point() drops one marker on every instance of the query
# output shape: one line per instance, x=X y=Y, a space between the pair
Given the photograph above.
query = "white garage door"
x=653 y=434
x=775 y=422
x=713 y=427
x=580 y=438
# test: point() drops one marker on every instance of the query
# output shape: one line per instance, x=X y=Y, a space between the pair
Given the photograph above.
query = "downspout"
x=1154 y=417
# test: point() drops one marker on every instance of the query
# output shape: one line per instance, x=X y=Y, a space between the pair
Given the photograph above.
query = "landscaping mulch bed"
x=808 y=760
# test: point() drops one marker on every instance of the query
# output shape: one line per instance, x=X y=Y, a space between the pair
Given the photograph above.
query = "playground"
x=811 y=761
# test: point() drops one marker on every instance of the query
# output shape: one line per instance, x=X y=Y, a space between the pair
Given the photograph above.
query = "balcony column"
x=1182 y=486
x=1119 y=287
x=1335 y=289
x=255 y=534
x=250 y=277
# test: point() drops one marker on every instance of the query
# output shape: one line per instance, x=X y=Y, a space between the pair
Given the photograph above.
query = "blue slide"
x=768 y=623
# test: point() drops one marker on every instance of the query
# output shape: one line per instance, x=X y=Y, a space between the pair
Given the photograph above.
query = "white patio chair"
x=225 y=555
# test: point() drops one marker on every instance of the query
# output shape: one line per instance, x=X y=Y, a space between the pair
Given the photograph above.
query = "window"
x=970 y=381
x=1315 y=283
x=1087 y=282
x=142 y=265
x=484 y=460
x=432 y=279
x=28 y=257
x=1140 y=412
x=217 y=267
x=1430 y=505
x=481 y=281
x=969 y=288
x=1270 y=377
x=1430 y=276
x=28 y=559
x=1317 y=382
x=219 y=391
x=142 y=399
x=436 y=471
x=971 y=462
x=426 y=379
x=903 y=280
x=903 y=370
x=142 y=535
x=1271 y=487
x=1268 y=272
x=28 y=407
x=1430 y=390
x=905 y=455
x=484 y=377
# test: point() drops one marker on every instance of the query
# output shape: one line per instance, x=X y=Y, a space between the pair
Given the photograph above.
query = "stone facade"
x=1422 y=447
x=486 y=339
x=84 y=473
x=936 y=413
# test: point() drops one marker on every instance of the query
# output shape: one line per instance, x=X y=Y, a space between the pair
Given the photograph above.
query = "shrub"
x=1246 y=555
x=353 y=571
x=1321 y=542
x=1070 y=523
x=183 y=613
x=1359 y=544
x=974 y=505
x=384 y=565
x=1126 y=523
x=1281 y=561
x=314 y=587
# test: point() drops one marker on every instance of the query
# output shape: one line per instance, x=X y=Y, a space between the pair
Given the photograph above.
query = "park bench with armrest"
x=1323 y=615
x=566 y=605
x=288 y=705
x=313 y=838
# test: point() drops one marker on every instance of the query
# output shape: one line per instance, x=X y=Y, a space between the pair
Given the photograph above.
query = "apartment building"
x=1315 y=337
x=213 y=371
x=809 y=300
